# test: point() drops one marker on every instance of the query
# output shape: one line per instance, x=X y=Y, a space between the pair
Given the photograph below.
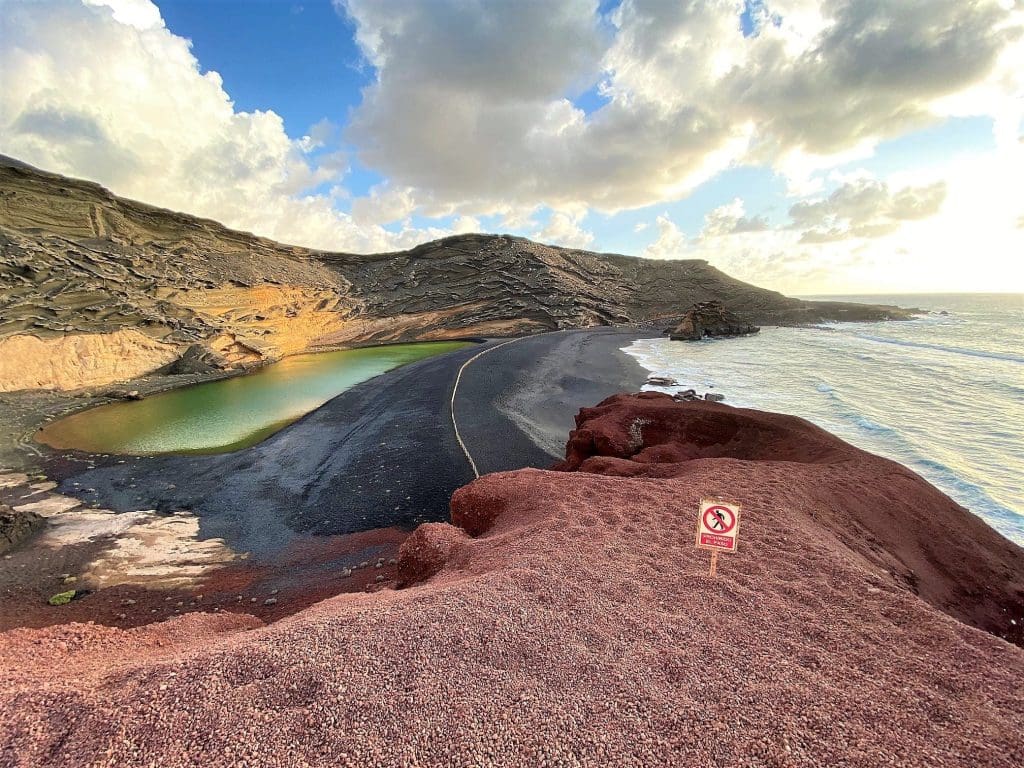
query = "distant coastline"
x=940 y=395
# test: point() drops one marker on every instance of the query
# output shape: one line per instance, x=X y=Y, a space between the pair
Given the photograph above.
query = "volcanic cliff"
x=95 y=288
x=565 y=618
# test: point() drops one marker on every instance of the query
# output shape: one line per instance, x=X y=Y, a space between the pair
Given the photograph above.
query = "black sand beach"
x=383 y=453
x=276 y=527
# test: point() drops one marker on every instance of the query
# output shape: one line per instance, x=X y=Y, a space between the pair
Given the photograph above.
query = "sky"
x=810 y=146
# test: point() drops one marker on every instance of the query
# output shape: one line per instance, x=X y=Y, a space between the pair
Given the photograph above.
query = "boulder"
x=687 y=395
x=63 y=598
x=710 y=318
x=17 y=526
x=197 y=359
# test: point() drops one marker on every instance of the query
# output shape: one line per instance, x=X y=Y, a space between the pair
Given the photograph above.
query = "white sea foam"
x=943 y=395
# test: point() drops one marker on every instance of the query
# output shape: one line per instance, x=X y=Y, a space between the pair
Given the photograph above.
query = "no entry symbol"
x=718 y=527
x=719 y=519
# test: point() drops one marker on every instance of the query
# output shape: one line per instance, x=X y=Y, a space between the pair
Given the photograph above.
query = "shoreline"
x=42 y=407
x=113 y=488
x=825 y=638
x=923 y=394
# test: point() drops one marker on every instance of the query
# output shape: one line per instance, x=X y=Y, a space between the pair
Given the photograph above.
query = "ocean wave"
x=970 y=495
x=869 y=425
x=953 y=422
x=943 y=348
x=893 y=443
x=856 y=417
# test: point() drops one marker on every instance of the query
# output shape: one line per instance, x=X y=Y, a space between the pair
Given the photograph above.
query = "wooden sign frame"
x=704 y=532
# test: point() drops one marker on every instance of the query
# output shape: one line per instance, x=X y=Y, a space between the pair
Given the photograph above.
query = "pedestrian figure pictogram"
x=719 y=518
x=718 y=527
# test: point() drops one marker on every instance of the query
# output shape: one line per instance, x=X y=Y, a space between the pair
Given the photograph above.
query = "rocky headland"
x=267 y=607
x=710 y=319
x=96 y=289
x=565 y=617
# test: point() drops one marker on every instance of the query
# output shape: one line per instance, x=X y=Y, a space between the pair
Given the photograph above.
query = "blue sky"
x=272 y=56
x=663 y=130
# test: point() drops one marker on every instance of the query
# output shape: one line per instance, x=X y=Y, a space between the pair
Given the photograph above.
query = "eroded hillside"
x=95 y=289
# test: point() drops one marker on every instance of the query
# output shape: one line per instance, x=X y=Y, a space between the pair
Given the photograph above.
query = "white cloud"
x=731 y=219
x=105 y=91
x=671 y=242
x=466 y=224
x=952 y=226
x=462 y=114
x=865 y=207
x=470 y=114
x=321 y=133
x=384 y=204
x=141 y=14
x=565 y=229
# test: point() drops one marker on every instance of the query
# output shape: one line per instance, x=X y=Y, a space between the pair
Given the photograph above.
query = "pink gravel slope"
x=576 y=626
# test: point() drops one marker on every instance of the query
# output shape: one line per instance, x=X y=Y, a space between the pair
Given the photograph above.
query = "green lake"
x=225 y=415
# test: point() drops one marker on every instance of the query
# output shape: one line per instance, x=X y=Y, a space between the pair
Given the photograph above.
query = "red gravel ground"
x=577 y=625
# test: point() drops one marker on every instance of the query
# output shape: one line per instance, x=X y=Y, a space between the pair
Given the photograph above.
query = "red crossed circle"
x=728 y=519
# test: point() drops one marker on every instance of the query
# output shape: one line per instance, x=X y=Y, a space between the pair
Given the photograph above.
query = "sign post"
x=718 y=528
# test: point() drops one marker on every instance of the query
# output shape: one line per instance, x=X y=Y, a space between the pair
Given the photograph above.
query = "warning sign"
x=718 y=525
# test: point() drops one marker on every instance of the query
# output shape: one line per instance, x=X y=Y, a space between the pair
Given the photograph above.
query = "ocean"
x=942 y=394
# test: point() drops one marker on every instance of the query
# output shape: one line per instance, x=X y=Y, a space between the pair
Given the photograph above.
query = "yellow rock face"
x=79 y=360
x=266 y=321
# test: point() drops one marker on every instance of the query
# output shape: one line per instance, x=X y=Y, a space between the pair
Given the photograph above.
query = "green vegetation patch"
x=63 y=598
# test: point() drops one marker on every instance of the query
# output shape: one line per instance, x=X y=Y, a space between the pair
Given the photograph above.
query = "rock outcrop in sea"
x=565 y=618
x=96 y=289
x=710 y=319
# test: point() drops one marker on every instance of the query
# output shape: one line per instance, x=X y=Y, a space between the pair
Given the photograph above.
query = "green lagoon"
x=226 y=415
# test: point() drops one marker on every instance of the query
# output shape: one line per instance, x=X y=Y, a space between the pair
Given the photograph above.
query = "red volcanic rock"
x=579 y=626
x=652 y=428
x=430 y=547
x=879 y=509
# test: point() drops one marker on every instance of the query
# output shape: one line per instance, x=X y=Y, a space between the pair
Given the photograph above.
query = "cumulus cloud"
x=565 y=229
x=461 y=113
x=671 y=242
x=865 y=208
x=874 y=70
x=466 y=224
x=471 y=113
x=383 y=205
x=731 y=219
x=103 y=90
x=975 y=221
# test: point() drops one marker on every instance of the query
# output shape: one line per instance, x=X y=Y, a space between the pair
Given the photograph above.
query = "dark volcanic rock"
x=17 y=526
x=197 y=359
x=88 y=276
x=710 y=318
